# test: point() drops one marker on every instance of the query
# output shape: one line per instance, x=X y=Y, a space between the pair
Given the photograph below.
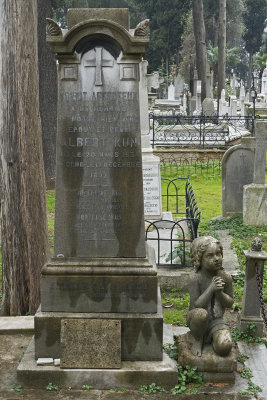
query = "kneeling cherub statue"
x=211 y=292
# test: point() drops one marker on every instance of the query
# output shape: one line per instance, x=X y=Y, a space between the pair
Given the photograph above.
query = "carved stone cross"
x=98 y=62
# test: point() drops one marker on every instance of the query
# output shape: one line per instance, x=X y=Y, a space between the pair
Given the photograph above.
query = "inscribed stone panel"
x=99 y=204
x=90 y=343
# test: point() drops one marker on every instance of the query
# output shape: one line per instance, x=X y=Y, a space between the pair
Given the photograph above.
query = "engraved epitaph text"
x=99 y=201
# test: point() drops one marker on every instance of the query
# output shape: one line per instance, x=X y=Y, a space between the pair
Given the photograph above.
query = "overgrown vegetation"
x=175 y=307
x=189 y=379
x=52 y=387
x=248 y=335
x=151 y=389
x=187 y=376
x=17 y=388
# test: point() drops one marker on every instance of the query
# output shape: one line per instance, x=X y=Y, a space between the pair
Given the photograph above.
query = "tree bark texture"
x=200 y=39
x=221 y=46
x=23 y=211
x=47 y=94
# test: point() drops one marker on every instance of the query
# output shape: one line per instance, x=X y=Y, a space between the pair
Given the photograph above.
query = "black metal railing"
x=174 y=199
x=193 y=213
x=172 y=244
x=176 y=165
x=198 y=131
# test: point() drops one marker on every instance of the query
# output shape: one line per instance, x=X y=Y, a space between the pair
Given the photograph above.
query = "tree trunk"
x=250 y=64
x=47 y=94
x=200 y=39
x=23 y=211
x=221 y=47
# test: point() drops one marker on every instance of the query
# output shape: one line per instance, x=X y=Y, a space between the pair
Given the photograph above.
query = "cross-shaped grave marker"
x=98 y=62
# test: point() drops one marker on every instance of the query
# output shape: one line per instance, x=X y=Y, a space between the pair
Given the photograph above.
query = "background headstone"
x=260 y=152
x=208 y=107
x=233 y=106
x=237 y=171
x=264 y=84
x=151 y=163
x=171 y=94
x=223 y=108
x=255 y=195
x=198 y=98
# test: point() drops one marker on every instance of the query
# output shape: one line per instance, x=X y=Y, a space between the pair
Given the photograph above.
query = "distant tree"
x=167 y=23
x=200 y=39
x=60 y=8
x=23 y=210
x=254 y=18
x=232 y=59
x=234 y=23
x=260 y=61
x=188 y=53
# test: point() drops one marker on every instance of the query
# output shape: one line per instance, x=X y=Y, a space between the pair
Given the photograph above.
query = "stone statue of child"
x=210 y=292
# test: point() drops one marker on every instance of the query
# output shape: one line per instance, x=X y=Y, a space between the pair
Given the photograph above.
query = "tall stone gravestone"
x=237 y=171
x=99 y=293
x=171 y=92
x=255 y=194
x=264 y=84
x=151 y=163
x=223 y=108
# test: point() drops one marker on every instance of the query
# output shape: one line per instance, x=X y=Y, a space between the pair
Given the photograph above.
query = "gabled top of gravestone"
x=95 y=24
x=118 y=15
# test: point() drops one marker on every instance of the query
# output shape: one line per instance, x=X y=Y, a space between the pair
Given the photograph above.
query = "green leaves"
x=51 y=387
x=187 y=375
x=17 y=388
x=254 y=24
x=151 y=389
x=247 y=335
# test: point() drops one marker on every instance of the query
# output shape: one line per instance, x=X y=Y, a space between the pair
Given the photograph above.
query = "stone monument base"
x=244 y=320
x=131 y=374
x=255 y=205
x=108 y=285
x=214 y=368
x=141 y=334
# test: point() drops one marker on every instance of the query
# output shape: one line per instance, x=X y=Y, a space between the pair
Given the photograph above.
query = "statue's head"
x=198 y=248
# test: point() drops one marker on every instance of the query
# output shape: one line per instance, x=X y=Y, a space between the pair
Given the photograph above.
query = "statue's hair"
x=199 y=246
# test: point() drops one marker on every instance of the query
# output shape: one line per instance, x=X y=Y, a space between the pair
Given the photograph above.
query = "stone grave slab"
x=90 y=343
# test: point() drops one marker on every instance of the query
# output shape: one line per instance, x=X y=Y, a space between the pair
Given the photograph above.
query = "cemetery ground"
x=207 y=186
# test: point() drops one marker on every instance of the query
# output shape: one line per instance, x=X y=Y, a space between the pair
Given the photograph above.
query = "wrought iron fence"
x=175 y=165
x=198 y=131
x=171 y=238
